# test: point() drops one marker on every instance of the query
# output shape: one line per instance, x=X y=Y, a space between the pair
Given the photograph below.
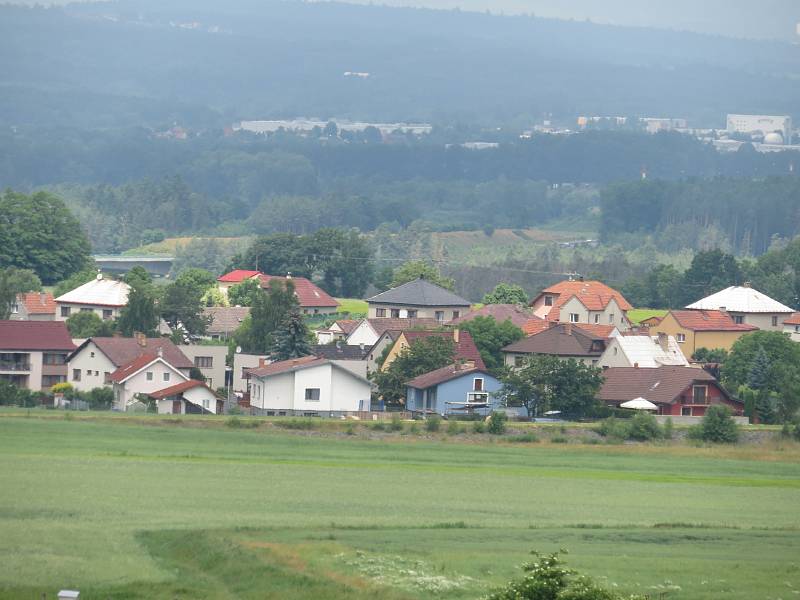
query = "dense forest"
x=204 y=64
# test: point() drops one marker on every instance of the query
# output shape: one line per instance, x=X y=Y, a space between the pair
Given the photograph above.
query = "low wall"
x=695 y=420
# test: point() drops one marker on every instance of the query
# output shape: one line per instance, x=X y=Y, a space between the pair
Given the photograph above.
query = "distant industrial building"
x=764 y=125
x=656 y=124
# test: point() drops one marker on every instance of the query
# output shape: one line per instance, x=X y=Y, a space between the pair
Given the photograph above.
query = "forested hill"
x=203 y=63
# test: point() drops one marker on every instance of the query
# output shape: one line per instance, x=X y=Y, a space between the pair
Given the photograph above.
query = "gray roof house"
x=417 y=299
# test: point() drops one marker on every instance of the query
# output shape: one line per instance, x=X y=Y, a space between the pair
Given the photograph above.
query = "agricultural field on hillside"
x=637 y=315
x=165 y=507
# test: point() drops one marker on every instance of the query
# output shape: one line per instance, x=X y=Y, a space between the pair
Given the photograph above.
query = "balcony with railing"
x=14 y=363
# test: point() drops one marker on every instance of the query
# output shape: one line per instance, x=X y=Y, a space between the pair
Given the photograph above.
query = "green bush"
x=453 y=428
x=379 y=426
x=667 y=430
x=524 y=438
x=433 y=423
x=235 y=410
x=559 y=439
x=497 y=423
x=613 y=428
x=350 y=429
x=296 y=424
x=237 y=423
x=414 y=429
x=717 y=426
x=396 y=424
x=478 y=427
x=643 y=427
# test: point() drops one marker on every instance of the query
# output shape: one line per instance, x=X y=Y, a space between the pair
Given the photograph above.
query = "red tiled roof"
x=35 y=335
x=535 y=325
x=709 y=320
x=121 y=351
x=465 y=348
x=594 y=295
x=438 y=376
x=287 y=365
x=518 y=315
x=793 y=320
x=126 y=370
x=237 y=276
x=38 y=303
x=662 y=385
x=309 y=295
x=348 y=325
x=178 y=388
x=597 y=330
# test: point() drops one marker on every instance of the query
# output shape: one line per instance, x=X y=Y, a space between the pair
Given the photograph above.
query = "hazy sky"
x=777 y=19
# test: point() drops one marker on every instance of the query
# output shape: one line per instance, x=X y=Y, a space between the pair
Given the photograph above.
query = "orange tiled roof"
x=534 y=326
x=594 y=295
x=38 y=303
x=709 y=320
x=793 y=320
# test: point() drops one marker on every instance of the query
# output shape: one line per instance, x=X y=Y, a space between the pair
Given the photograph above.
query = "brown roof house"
x=143 y=375
x=33 y=354
x=677 y=391
x=187 y=398
x=564 y=340
x=224 y=320
x=34 y=306
x=92 y=364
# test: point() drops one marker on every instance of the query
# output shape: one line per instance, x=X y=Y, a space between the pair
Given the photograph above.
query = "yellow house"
x=694 y=329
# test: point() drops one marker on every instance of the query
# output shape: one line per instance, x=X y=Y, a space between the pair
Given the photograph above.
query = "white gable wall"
x=140 y=384
x=363 y=334
x=92 y=368
x=349 y=393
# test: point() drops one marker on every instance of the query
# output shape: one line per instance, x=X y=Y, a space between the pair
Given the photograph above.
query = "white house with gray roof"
x=415 y=300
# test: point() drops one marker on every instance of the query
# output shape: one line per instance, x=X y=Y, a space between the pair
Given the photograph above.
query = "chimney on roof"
x=469 y=364
x=288 y=275
x=635 y=365
x=42 y=297
x=723 y=309
x=663 y=340
x=141 y=339
x=746 y=284
x=456 y=334
x=160 y=352
x=262 y=362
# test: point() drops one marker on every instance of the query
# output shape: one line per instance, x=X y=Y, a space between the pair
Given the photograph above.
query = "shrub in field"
x=559 y=439
x=717 y=426
x=379 y=426
x=396 y=424
x=478 y=427
x=235 y=410
x=453 y=428
x=613 y=428
x=433 y=423
x=524 y=438
x=61 y=388
x=237 y=423
x=297 y=424
x=350 y=429
x=497 y=423
x=548 y=579
x=414 y=429
x=667 y=430
x=643 y=427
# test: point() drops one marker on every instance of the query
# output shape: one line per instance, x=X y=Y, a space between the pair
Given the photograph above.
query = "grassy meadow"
x=164 y=507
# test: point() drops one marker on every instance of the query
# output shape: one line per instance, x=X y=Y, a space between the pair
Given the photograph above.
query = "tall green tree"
x=783 y=355
x=245 y=293
x=15 y=281
x=424 y=355
x=86 y=324
x=39 y=233
x=491 y=337
x=710 y=271
x=414 y=269
x=197 y=278
x=506 y=293
x=181 y=306
x=269 y=312
x=292 y=338
x=141 y=312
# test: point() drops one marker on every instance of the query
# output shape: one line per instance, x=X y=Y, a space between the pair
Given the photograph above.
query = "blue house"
x=453 y=390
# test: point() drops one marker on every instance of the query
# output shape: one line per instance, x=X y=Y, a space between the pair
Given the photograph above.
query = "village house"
x=145 y=374
x=34 y=306
x=645 y=351
x=564 y=340
x=313 y=300
x=352 y=358
x=417 y=299
x=228 y=280
x=209 y=360
x=791 y=326
x=747 y=306
x=96 y=359
x=369 y=331
x=104 y=297
x=464 y=348
x=223 y=321
x=338 y=331
x=518 y=315
x=457 y=389
x=676 y=391
x=190 y=397
x=695 y=329
x=308 y=386
x=33 y=354
x=591 y=302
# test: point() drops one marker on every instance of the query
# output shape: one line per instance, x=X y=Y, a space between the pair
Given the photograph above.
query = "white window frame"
x=574 y=318
x=149 y=376
x=680 y=338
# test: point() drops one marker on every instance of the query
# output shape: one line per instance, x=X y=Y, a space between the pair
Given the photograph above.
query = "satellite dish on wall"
x=238 y=349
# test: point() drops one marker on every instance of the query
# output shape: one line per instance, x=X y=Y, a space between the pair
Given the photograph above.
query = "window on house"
x=680 y=337
x=611 y=319
x=395 y=313
x=106 y=377
x=88 y=372
x=54 y=359
x=91 y=354
x=107 y=314
x=380 y=312
x=205 y=403
x=166 y=376
x=548 y=301
x=97 y=373
x=616 y=350
x=439 y=315
x=76 y=374
x=149 y=376
x=412 y=314
x=477 y=384
x=14 y=308
x=774 y=321
x=65 y=311
x=574 y=317
x=738 y=319
x=51 y=380
x=686 y=411
x=316 y=311
x=700 y=394
x=597 y=318
x=456 y=314
x=312 y=394
x=203 y=362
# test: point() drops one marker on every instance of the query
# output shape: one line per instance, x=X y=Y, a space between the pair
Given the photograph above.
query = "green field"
x=166 y=508
x=637 y=315
x=352 y=306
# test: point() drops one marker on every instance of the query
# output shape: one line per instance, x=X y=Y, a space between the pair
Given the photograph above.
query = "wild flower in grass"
x=414 y=576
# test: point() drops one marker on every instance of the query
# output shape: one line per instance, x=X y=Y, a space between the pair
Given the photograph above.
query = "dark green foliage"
x=523 y=438
x=291 y=339
x=491 y=337
x=506 y=293
x=433 y=423
x=549 y=383
x=15 y=281
x=782 y=354
x=86 y=324
x=296 y=423
x=245 y=293
x=758 y=377
x=424 y=355
x=497 y=423
x=181 y=305
x=643 y=427
x=668 y=429
x=38 y=232
x=11 y=395
x=419 y=268
x=395 y=424
x=454 y=428
x=271 y=309
x=706 y=355
x=478 y=427
x=100 y=398
x=198 y=279
x=141 y=313
x=717 y=426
